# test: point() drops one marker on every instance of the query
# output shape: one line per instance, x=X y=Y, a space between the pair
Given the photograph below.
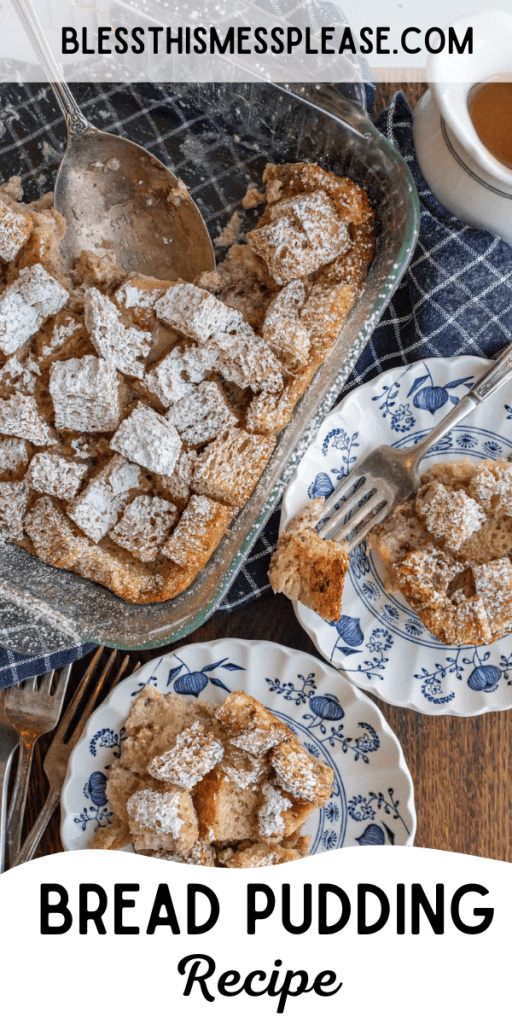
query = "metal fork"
x=57 y=757
x=33 y=708
x=387 y=477
x=9 y=741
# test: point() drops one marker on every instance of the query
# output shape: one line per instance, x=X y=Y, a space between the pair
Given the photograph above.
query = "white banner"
x=240 y=40
x=372 y=934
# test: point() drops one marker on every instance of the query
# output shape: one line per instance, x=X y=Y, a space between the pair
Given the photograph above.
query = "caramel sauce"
x=490 y=109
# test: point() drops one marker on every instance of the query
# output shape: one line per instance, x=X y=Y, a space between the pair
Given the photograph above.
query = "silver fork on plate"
x=33 y=708
x=387 y=477
x=9 y=741
x=57 y=757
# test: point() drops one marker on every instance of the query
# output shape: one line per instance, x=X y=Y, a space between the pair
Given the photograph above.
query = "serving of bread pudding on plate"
x=224 y=785
x=447 y=550
x=137 y=415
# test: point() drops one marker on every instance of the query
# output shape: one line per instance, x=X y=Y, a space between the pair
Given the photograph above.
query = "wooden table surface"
x=461 y=768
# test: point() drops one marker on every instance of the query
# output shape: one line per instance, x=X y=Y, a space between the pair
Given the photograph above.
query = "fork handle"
x=5 y=769
x=36 y=833
x=19 y=798
x=497 y=375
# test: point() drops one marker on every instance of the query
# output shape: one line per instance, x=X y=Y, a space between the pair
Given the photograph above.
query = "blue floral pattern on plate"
x=333 y=720
x=378 y=641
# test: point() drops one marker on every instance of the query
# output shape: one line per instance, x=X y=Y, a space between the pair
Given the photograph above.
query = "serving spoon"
x=117 y=197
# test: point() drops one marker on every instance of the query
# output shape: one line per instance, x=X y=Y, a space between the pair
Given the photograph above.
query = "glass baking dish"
x=226 y=135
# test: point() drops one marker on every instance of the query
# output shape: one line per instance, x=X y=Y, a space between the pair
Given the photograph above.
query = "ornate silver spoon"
x=117 y=197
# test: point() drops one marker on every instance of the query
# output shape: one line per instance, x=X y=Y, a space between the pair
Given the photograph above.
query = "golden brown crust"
x=309 y=569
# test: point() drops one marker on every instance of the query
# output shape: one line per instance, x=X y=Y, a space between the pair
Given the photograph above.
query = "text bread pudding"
x=224 y=785
x=137 y=415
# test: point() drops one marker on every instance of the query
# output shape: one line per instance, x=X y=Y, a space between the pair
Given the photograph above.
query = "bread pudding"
x=448 y=550
x=224 y=785
x=137 y=415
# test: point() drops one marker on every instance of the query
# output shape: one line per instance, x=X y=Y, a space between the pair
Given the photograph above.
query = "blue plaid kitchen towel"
x=455 y=298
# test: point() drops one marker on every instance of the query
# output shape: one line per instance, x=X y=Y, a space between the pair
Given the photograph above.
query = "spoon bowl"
x=118 y=198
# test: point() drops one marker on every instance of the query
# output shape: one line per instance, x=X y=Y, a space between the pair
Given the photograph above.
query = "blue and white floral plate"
x=372 y=801
x=378 y=642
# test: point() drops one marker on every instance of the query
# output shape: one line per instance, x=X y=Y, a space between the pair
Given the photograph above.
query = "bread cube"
x=177 y=485
x=20 y=417
x=144 y=525
x=258 y=855
x=14 y=455
x=199 y=315
x=13 y=506
x=137 y=297
x=450 y=515
x=85 y=395
x=229 y=468
x=491 y=486
x=174 y=376
x=19 y=376
x=56 y=541
x=424 y=576
x=305 y=232
x=198 y=533
x=53 y=473
x=269 y=413
x=125 y=348
x=162 y=821
x=202 y=414
x=283 y=329
x=144 y=741
x=324 y=314
x=244 y=357
x=98 y=508
x=95 y=270
x=309 y=569
x=43 y=248
x=226 y=814
x=287 y=180
x=493 y=584
x=247 y=770
x=279 y=814
x=300 y=774
x=26 y=304
x=249 y=724
x=145 y=437
x=193 y=755
x=62 y=337
x=15 y=228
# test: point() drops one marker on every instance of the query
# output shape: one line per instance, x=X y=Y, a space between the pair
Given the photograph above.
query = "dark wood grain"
x=461 y=767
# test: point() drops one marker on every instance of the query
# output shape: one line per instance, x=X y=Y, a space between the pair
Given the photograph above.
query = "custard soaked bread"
x=448 y=550
x=137 y=415
x=226 y=785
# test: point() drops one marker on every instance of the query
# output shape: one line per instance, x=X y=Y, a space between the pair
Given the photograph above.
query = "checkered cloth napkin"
x=455 y=298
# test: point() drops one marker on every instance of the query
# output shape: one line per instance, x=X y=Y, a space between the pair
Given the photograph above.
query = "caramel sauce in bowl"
x=490 y=109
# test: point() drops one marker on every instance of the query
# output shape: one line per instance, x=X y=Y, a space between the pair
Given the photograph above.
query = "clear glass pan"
x=227 y=134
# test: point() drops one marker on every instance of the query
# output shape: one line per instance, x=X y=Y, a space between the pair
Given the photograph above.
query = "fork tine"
x=27 y=684
x=120 y=671
x=77 y=696
x=91 y=701
x=359 y=517
x=380 y=514
x=340 y=515
x=62 y=681
x=342 y=490
x=46 y=682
